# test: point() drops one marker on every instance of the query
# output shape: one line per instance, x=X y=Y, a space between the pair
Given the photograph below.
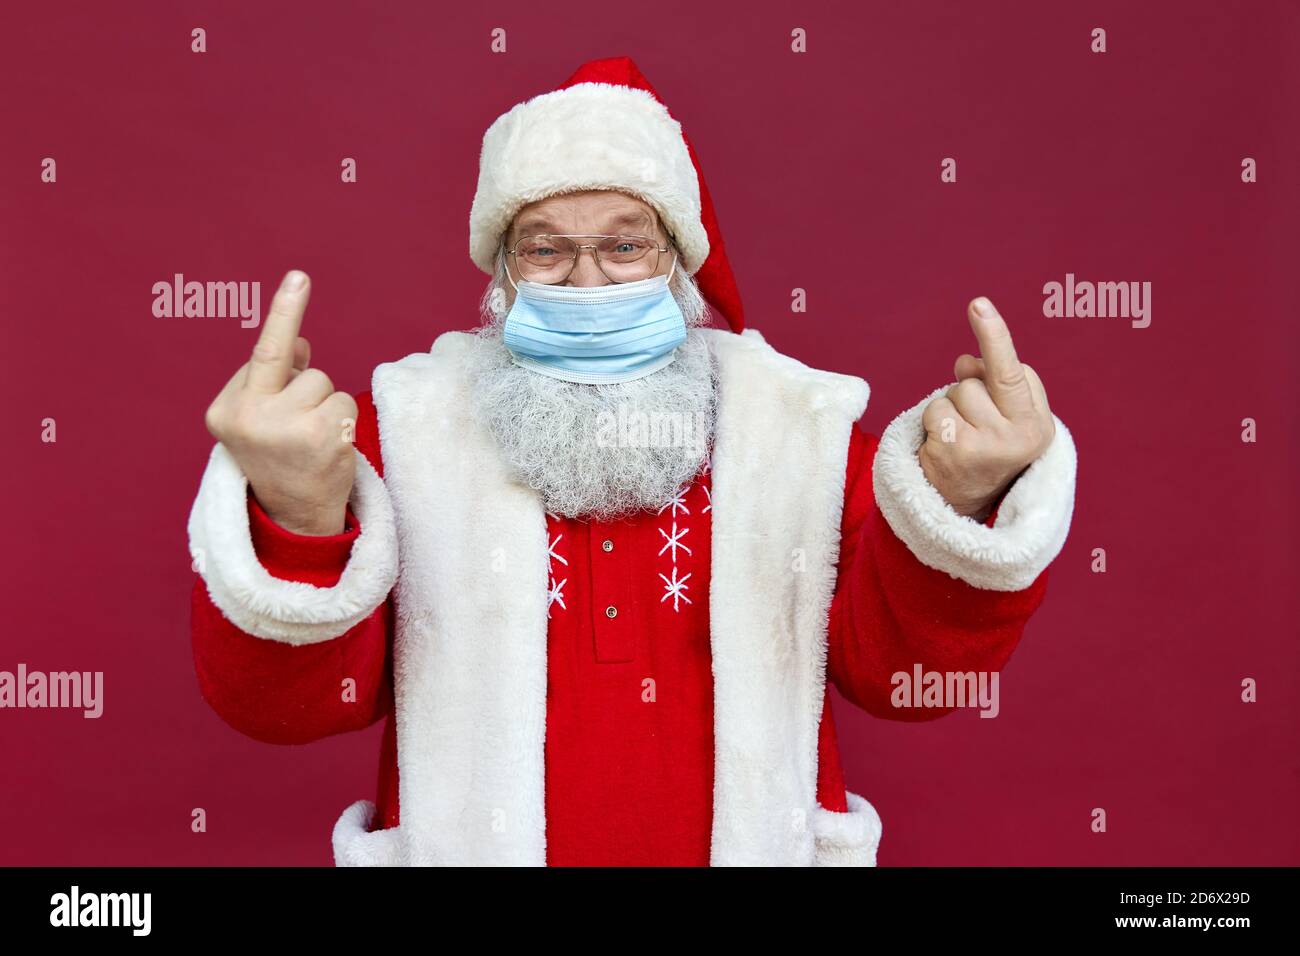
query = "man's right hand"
x=286 y=426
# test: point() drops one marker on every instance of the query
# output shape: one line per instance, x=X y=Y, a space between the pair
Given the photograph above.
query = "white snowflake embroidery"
x=552 y=556
x=709 y=495
x=675 y=589
x=676 y=502
x=556 y=595
x=674 y=541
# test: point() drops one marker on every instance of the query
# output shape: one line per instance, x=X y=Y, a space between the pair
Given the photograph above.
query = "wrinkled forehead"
x=604 y=212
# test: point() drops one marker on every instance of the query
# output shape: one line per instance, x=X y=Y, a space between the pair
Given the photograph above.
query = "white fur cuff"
x=355 y=844
x=846 y=839
x=1032 y=520
x=288 y=611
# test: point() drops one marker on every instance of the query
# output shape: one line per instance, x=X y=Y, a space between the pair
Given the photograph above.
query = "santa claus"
x=594 y=643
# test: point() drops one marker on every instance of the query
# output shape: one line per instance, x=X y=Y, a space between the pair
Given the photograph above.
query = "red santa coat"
x=809 y=543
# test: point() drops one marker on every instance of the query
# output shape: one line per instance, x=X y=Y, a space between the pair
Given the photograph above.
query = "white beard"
x=598 y=451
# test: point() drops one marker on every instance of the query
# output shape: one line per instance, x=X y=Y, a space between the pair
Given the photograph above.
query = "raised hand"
x=286 y=426
x=988 y=427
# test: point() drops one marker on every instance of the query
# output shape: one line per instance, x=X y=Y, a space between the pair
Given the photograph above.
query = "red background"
x=1125 y=693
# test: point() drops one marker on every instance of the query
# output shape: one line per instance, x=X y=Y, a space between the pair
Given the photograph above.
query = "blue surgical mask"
x=595 y=335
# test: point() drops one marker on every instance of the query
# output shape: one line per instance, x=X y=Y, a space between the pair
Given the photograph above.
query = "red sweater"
x=629 y=721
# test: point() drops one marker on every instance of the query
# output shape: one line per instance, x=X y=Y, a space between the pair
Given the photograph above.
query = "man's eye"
x=625 y=247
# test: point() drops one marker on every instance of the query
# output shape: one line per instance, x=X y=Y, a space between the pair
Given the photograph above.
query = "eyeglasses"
x=550 y=259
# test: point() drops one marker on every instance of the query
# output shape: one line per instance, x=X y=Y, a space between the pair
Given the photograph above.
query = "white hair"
x=599 y=451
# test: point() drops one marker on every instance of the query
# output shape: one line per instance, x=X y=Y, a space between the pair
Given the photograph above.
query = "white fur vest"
x=470 y=648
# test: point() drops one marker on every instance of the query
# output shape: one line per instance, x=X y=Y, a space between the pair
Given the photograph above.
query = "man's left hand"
x=988 y=427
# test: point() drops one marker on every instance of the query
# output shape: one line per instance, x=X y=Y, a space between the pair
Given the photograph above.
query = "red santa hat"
x=605 y=128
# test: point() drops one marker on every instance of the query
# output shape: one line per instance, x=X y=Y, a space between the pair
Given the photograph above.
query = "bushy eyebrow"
x=533 y=227
x=540 y=226
x=632 y=219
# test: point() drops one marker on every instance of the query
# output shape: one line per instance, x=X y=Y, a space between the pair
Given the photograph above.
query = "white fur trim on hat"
x=588 y=136
x=1033 y=518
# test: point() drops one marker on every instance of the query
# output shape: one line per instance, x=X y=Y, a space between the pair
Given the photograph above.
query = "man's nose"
x=586 y=270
